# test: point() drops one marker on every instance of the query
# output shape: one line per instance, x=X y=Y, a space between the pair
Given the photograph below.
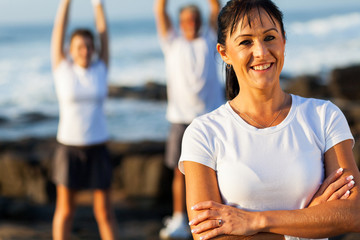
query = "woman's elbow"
x=355 y=212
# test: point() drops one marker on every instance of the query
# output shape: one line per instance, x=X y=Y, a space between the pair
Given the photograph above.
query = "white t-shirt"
x=81 y=93
x=276 y=168
x=193 y=86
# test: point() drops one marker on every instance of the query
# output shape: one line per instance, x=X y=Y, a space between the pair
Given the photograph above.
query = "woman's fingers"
x=330 y=179
x=209 y=211
x=334 y=187
x=206 y=205
x=203 y=216
x=344 y=191
x=325 y=191
x=212 y=234
x=346 y=195
x=207 y=225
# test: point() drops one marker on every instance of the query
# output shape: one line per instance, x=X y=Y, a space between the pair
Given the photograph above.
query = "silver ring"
x=220 y=222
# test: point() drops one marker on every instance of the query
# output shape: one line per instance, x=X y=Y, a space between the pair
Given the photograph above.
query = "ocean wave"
x=328 y=25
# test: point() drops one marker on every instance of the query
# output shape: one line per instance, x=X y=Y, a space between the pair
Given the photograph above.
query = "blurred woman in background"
x=81 y=159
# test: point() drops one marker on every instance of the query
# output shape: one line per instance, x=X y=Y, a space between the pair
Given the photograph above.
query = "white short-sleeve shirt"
x=81 y=94
x=193 y=85
x=276 y=168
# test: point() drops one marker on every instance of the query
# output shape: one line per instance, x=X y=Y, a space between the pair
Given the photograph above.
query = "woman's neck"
x=262 y=110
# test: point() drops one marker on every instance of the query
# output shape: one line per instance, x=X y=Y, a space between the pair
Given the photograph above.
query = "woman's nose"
x=260 y=49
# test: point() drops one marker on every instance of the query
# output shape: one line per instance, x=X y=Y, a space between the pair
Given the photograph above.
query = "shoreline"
x=318 y=85
x=141 y=183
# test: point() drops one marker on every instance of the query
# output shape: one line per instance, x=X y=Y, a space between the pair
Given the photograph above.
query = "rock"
x=21 y=178
x=140 y=175
x=139 y=170
x=3 y=120
x=151 y=90
x=344 y=83
x=155 y=91
x=32 y=117
x=26 y=166
x=306 y=86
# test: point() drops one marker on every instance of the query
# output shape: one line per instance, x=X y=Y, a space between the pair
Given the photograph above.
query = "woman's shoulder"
x=215 y=118
x=306 y=100
x=314 y=105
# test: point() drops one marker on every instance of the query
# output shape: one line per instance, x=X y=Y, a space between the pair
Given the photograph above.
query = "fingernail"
x=352 y=183
x=191 y=223
x=351 y=177
x=340 y=170
x=202 y=238
x=193 y=207
x=347 y=193
x=193 y=231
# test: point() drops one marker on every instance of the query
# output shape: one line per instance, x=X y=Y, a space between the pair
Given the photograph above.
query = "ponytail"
x=232 y=87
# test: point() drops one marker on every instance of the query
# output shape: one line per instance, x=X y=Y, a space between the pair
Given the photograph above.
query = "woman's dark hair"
x=83 y=32
x=228 y=20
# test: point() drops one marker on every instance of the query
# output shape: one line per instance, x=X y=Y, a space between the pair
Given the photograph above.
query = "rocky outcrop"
x=151 y=91
x=307 y=86
x=25 y=168
x=345 y=83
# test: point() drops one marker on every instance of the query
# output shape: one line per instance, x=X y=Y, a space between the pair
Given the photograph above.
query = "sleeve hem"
x=203 y=161
x=337 y=140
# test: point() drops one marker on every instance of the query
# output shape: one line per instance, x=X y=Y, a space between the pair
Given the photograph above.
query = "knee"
x=64 y=214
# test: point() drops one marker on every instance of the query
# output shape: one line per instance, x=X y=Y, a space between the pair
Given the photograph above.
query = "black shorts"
x=87 y=167
x=173 y=145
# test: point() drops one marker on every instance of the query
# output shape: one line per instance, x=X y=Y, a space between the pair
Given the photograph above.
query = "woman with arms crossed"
x=253 y=167
x=81 y=159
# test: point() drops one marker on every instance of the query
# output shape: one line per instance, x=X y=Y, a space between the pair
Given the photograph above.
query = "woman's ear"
x=222 y=51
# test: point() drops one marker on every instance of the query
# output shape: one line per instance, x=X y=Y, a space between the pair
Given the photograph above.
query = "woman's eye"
x=245 y=42
x=269 y=38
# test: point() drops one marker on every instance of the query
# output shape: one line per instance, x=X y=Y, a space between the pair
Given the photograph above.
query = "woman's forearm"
x=58 y=34
x=325 y=220
x=102 y=29
x=163 y=22
x=259 y=236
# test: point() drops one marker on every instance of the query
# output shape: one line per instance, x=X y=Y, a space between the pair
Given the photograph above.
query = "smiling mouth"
x=261 y=67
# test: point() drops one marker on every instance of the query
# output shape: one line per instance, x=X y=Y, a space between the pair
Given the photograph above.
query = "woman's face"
x=257 y=52
x=81 y=50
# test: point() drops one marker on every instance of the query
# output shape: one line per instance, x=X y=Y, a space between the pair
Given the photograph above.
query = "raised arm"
x=214 y=12
x=201 y=185
x=102 y=29
x=163 y=22
x=58 y=34
x=327 y=219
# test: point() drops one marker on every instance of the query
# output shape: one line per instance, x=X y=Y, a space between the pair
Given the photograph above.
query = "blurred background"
x=321 y=35
x=322 y=60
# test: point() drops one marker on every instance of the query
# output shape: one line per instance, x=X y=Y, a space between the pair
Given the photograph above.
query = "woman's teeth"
x=261 y=67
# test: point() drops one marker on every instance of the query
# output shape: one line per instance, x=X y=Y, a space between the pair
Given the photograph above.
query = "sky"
x=43 y=11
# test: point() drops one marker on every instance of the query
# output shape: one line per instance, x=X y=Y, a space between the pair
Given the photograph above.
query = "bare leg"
x=178 y=191
x=64 y=213
x=105 y=216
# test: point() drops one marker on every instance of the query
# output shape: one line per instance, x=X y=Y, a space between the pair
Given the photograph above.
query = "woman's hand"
x=334 y=187
x=215 y=219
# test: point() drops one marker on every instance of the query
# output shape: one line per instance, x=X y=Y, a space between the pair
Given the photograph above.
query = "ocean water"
x=320 y=36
